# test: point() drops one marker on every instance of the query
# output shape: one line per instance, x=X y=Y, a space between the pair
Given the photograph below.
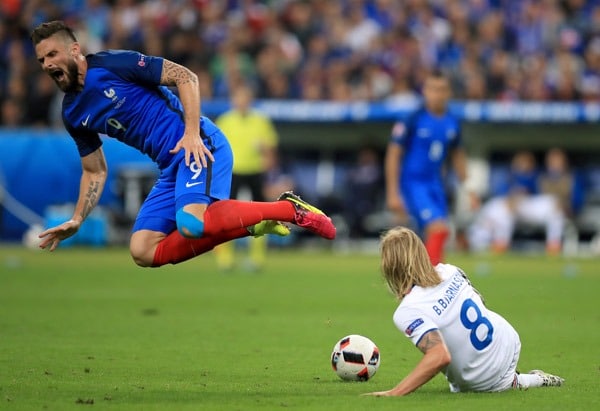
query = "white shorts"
x=507 y=381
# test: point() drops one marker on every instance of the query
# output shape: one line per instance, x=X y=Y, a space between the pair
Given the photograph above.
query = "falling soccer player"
x=124 y=95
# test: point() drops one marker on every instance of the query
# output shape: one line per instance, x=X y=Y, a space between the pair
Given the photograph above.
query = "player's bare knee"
x=142 y=261
x=140 y=255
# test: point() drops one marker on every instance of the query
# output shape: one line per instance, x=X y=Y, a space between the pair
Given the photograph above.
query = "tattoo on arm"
x=91 y=199
x=174 y=74
x=429 y=340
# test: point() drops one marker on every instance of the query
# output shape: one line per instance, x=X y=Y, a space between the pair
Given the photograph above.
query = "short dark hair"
x=48 y=29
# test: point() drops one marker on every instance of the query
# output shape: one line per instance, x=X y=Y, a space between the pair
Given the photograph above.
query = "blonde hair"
x=405 y=262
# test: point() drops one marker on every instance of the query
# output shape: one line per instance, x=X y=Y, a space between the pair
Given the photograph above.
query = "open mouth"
x=57 y=74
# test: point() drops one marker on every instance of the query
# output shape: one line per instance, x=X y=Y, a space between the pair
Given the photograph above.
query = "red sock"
x=435 y=245
x=175 y=248
x=226 y=215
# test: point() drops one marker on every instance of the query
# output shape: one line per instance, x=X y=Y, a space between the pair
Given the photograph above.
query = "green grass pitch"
x=87 y=329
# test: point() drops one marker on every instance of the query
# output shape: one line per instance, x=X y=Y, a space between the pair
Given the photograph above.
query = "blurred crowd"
x=543 y=50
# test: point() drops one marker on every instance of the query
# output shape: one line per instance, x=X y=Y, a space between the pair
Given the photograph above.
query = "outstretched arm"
x=91 y=186
x=436 y=358
x=186 y=82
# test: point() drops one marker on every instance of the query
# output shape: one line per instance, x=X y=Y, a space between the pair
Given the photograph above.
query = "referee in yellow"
x=254 y=142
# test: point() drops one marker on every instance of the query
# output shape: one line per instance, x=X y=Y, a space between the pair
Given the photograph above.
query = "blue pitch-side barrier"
x=41 y=167
x=472 y=111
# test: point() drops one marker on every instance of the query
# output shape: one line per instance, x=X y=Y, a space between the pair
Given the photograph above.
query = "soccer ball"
x=355 y=358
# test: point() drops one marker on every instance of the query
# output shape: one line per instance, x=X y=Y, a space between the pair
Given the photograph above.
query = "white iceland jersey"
x=482 y=343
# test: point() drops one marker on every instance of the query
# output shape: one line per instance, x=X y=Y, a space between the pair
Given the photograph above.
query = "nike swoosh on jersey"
x=188 y=184
x=85 y=122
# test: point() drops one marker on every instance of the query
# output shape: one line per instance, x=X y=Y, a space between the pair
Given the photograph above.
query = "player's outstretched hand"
x=193 y=146
x=52 y=236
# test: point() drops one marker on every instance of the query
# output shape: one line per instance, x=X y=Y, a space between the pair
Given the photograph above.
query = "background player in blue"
x=415 y=160
x=122 y=94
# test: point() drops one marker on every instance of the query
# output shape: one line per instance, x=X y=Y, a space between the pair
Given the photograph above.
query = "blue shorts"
x=179 y=185
x=425 y=201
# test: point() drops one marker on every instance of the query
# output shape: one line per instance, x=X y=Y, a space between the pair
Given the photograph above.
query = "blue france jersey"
x=426 y=140
x=122 y=98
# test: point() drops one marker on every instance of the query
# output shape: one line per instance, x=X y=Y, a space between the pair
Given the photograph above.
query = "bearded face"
x=57 y=59
x=67 y=81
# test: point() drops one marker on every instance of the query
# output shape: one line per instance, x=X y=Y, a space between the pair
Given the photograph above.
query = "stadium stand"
x=313 y=50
